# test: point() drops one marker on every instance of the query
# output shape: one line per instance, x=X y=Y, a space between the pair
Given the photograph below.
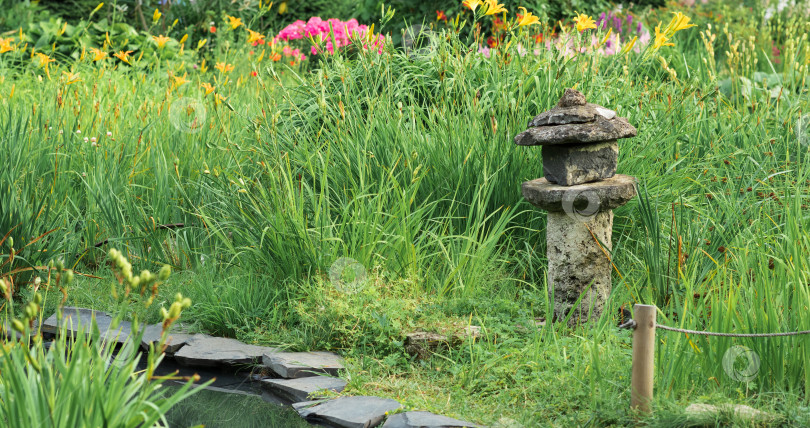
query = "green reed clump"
x=82 y=378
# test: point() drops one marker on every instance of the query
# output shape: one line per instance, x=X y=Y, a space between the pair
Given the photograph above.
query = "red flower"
x=213 y=29
x=440 y=16
x=253 y=73
x=538 y=38
x=492 y=42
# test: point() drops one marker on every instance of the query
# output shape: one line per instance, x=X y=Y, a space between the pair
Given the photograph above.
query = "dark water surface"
x=232 y=401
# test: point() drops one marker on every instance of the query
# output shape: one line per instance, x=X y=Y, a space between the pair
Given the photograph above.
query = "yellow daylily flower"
x=156 y=15
x=660 y=38
x=526 y=18
x=123 y=56
x=282 y=8
x=472 y=4
x=161 y=41
x=234 y=22
x=493 y=7
x=98 y=54
x=180 y=80
x=629 y=46
x=71 y=78
x=254 y=36
x=224 y=68
x=44 y=60
x=208 y=87
x=607 y=37
x=584 y=22
x=679 y=22
x=201 y=43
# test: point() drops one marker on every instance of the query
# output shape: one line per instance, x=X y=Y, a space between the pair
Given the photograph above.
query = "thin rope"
x=631 y=325
x=711 y=333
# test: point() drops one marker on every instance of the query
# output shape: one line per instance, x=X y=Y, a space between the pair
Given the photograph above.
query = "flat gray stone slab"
x=290 y=365
x=202 y=350
x=175 y=341
x=73 y=318
x=348 y=412
x=587 y=198
x=597 y=131
x=575 y=121
x=297 y=390
x=424 y=420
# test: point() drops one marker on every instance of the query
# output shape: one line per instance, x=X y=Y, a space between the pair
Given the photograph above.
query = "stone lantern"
x=579 y=189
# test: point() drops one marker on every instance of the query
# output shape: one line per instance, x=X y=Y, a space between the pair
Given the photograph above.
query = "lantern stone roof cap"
x=575 y=121
x=587 y=198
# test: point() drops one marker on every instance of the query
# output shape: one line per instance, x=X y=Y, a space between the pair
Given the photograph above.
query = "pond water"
x=218 y=409
x=232 y=401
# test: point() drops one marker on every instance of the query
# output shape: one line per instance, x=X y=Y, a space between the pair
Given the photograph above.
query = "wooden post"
x=641 y=383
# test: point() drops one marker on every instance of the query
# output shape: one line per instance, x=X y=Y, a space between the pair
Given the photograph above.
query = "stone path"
x=202 y=350
x=301 y=389
x=291 y=365
x=348 y=412
x=301 y=376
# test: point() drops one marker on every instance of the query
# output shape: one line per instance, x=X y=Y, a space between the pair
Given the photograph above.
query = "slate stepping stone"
x=291 y=365
x=297 y=390
x=424 y=420
x=347 y=412
x=202 y=350
x=175 y=341
x=73 y=317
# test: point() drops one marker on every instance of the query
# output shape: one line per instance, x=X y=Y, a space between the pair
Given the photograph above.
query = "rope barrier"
x=631 y=324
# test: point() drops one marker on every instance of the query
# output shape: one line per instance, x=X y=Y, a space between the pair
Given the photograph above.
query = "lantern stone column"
x=579 y=189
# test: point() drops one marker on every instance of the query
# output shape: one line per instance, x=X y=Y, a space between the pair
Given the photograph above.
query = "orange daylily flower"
x=208 y=87
x=123 y=56
x=234 y=22
x=254 y=37
x=161 y=41
x=5 y=45
x=224 y=68
x=98 y=54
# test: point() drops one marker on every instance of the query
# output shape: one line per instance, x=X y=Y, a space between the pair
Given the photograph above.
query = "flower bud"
x=164 y=272
x=11 y=242
x=68 y=276
x=18 y=325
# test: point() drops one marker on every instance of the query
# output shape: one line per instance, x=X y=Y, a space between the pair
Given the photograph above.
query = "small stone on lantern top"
x=571 y=98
